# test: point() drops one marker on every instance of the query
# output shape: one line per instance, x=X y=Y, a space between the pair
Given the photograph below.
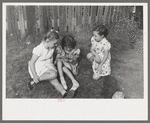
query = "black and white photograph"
x=72 y=54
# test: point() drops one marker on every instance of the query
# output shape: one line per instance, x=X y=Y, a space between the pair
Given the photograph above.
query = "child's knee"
x=54 y=74
x=64 y=68
x=90 y=56
x=59 y=62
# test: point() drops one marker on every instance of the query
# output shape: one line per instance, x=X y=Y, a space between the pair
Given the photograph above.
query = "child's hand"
x=97 y=59
x=36 y=79
x=100 y=68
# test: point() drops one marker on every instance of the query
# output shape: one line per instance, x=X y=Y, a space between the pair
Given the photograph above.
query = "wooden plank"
x=45 y=19
x=96 y=20
x=117 y=14
x=62 y=18
x=110 y=12
x=86 y=17
x=67 y=18
x=61 y=26
x=8 y=8
x=58 y=20
x=55 y=17
x=16 y=14
x=30 y=11
x=14 y=23
x=114 y=13
x=70 y=17
x=40 y=14
x=90 y=13
x=77 y=17
x=119 y=18
x=106 y=13
x=93 y=16
x=100 y=14
x=50 y=17
x=21 y=22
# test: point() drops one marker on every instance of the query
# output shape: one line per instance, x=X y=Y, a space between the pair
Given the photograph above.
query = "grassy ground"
x=18 y=54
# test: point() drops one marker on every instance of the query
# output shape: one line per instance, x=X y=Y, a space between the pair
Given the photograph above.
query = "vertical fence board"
x=30 y=11
x=86 y=17
x=67 y=20
x=79 y=18
x=58 y=22
x=93 y=16
x=106 y=14
x=41 y=19
x=45 y=19
x=16 y=20
x=90 y=13
x=50 y=17
x=70 y=17
x=100 y=14
x=55 y=17
x=114 y=14
x=21 y=20
x=73 y=18
x=9 y=18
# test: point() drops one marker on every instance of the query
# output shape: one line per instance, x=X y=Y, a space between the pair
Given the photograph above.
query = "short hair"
x=101 y=29
x=52 y=34
x=68 y=41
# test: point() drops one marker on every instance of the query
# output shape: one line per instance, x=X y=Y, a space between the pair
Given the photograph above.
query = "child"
x=41 y=64
x=66 y=59
x=100 y=52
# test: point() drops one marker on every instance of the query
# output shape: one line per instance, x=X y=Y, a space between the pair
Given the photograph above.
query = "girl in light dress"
x=41 y=65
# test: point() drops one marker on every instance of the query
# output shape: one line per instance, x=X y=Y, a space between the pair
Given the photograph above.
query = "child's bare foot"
x=75 y=85
x=63 y=82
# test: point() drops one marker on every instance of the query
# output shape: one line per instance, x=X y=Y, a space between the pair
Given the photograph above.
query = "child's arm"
x=32 y=67
x=96 y=56
x=92 y=50
x=75 y=57
x=103 y=60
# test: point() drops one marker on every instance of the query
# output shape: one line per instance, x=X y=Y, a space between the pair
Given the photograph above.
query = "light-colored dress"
x=70 y=58
x=100 y=48
x=45 y=60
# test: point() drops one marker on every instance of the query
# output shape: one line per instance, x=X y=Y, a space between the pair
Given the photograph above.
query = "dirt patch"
x=130 y=71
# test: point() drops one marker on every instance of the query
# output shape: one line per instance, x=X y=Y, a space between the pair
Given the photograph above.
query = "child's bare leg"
x=58 y=86
x=75 y=83
x=90 y=57
x=51 y=76
x=60 y=71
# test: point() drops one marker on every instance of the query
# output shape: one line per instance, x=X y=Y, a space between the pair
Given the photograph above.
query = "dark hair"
x=52 y=34
x=68 y=41
x=101 y=29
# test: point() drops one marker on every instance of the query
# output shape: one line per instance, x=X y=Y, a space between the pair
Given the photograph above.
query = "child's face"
x=53 y=43
x=97 y=37
x=68 y=49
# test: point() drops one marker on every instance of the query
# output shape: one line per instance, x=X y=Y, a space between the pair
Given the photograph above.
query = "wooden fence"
x=23 y=20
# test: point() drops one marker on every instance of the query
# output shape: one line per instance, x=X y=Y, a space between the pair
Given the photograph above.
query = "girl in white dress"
x=100 y=52
x=41 y=65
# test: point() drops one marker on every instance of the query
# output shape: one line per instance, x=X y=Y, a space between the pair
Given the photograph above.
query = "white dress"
x=45 y=60
x=100 y=48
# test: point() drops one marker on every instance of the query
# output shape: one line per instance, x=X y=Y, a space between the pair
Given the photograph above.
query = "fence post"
x=30 y=11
